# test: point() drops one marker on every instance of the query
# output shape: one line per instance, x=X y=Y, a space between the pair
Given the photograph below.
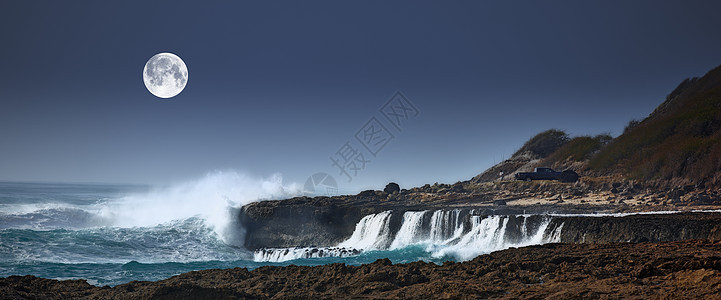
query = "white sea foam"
x=215 y=198
x=285 y=254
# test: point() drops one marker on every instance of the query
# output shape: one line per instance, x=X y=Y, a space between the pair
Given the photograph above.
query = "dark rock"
x=676 y=194
x=392 y=188
x=669 y=270
x=367 y=193
x=637 y=228
x=458 y=188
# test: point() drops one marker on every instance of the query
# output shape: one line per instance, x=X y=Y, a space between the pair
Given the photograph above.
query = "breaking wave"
x=215 y=199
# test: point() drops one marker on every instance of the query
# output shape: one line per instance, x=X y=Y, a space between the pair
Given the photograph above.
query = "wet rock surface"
x=687 y=269
x=639 y=228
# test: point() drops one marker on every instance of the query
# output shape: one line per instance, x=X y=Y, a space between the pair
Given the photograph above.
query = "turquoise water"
x=113 y=234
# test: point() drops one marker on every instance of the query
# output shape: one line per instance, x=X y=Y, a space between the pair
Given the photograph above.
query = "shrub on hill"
x=578 y=149
x=544 y=143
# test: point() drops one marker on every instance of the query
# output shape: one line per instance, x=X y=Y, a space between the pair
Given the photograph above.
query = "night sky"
x=281 y=87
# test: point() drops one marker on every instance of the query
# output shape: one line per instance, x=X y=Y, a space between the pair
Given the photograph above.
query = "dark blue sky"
x=280 y=86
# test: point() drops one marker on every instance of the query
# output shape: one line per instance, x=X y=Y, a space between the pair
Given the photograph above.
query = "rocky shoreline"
x=669 y=255
x=685 y=269
x=327 y=221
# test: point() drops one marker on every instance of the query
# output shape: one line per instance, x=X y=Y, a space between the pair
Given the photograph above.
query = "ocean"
x=114 y=234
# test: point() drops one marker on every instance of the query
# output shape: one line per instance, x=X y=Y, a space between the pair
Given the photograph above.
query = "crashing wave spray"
x=214 y=198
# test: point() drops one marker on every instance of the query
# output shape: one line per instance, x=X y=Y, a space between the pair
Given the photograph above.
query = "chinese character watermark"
x=373 y=136
x=399 y=109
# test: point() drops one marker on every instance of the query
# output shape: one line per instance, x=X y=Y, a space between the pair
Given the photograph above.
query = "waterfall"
x=455 y=234
x=485 y=234
x=372 y=232
x=524 y=231
x=555 y=236
x=411 y=230
x=490 y=234
x=446 y=225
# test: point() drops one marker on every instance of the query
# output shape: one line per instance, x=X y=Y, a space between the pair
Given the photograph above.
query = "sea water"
x=113 y=234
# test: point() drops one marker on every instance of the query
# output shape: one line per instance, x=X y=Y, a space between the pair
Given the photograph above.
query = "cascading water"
x=410 y=231
x=492 y=234
x=454 y=234
x=372 y=232
x=446 y=224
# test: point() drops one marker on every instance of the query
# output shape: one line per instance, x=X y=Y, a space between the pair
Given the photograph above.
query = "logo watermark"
x=320 y=184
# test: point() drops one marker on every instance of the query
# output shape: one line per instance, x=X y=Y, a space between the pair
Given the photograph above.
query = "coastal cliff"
x=640 y=228
x=284 y=225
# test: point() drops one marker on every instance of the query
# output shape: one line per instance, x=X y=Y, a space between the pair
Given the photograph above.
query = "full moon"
x=165 y=75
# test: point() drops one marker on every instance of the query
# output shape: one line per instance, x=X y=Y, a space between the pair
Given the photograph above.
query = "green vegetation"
x=544 y=143
x=578 y=149
x=680 y=139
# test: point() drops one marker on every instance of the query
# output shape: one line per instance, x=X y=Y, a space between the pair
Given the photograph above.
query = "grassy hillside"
x=577 y=149
x=543 y=144
x=680 y=139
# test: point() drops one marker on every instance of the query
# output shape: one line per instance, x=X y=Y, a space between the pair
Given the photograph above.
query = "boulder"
x=391 y=188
